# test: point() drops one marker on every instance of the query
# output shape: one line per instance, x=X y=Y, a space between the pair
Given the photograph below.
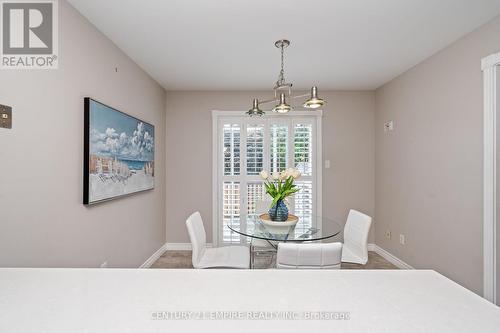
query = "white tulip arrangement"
x=280 y=185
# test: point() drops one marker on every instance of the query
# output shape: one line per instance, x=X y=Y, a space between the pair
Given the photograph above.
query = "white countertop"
x=132 y=300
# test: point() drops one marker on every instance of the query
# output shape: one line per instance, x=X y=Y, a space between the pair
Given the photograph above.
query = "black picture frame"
x=87 y=152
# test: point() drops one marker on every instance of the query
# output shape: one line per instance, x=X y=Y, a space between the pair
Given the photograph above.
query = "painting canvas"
x=118 y=153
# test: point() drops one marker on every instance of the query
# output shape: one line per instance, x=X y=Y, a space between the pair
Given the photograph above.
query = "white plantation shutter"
x=302 y=160
x=304 y=202
x=255 y=149
x=249 y=145
x=278 y=134
x=232 y=133
x=231 y=199
x=231 y=210
x=303 y=148
x=255 y=192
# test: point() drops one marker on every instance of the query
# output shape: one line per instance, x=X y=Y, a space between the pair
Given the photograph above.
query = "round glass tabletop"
x=311 y=228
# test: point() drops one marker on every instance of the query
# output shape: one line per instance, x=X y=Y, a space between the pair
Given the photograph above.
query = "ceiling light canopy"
x=283 y=88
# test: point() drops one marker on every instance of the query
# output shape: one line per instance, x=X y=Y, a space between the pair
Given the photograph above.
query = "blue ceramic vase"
x=279 y=212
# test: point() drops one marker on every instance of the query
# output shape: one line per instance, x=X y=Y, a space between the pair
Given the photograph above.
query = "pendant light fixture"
x=255 y=111
x=314 y=102
x=283 y=90
x=282 y=107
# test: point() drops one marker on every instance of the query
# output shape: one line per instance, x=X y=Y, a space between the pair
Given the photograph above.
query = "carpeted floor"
x=182 y=259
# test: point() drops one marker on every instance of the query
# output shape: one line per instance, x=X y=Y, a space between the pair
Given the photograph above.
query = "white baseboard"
x=178 y=246
x=389 y=256
x=181 y=246
x=187 y=247
x=154 y=257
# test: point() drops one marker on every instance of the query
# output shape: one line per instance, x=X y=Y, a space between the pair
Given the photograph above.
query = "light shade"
x=314 y=102
x=255 y=111
x=282 y=107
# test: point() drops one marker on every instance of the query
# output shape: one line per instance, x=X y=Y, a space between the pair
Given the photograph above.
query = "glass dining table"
x=308 y=229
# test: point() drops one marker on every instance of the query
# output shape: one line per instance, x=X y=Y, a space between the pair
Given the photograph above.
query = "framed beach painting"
x=119 y=153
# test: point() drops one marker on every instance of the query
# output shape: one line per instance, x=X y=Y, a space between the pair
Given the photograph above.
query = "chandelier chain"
x=281 y=78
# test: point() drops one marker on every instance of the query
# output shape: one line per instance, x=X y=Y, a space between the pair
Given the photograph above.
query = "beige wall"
x=348 y=142
x=429 y=170
x=497 y=254
x=42 y=219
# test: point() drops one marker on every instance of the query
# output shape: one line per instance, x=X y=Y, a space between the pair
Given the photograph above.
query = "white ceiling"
x=229 y=44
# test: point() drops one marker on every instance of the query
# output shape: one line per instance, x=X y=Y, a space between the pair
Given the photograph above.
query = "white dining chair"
x=355 y=247
x=203 y=257
x=309 y=256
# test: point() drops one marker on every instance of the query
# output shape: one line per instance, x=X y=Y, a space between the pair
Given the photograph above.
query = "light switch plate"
x=402 y=239
x=5 y=116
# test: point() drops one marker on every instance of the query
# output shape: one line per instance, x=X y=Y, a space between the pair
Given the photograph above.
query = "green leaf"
x=268 y=188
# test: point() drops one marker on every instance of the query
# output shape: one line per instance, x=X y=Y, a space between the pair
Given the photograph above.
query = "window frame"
x=238 y=117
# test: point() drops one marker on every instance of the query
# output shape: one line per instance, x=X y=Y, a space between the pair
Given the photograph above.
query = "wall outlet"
x=389 y=126
x=104 y=265
x=327 y=164
x=5 y=116
x=402 y=239
x=388 y=234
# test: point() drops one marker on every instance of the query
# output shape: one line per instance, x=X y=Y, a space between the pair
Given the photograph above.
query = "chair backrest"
x=309 y=256
x=197 y=235
x=356 y=232
x=262 y=207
